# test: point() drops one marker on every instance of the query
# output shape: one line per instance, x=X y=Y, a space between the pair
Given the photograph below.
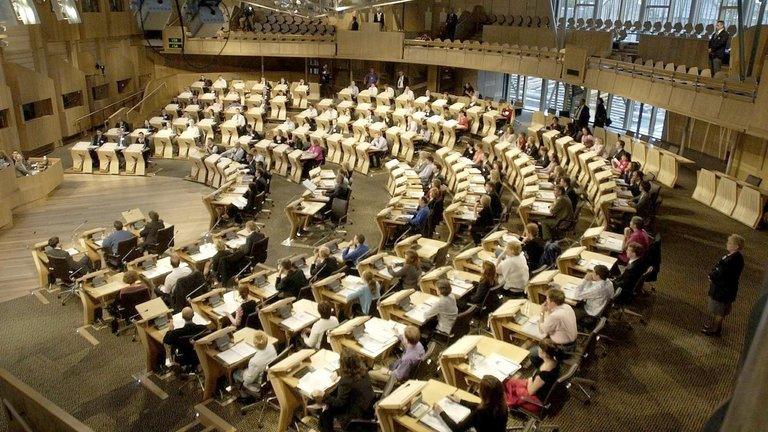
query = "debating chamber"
x=383 y=215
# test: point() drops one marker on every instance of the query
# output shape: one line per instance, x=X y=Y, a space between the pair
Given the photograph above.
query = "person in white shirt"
x=236 y=153
x=193 y=129
x=311 y=111
x=314 y=338
x=373 y=90
x=332 y=113
x=220 y=82
x=412 y=125
x=353 y=90
x=173 y=277
x=512 y=268
x=408 y=93
x=445 y=308
x=595 y=291
x=378 y=148
x=239 y=120
x=557 y=322
x=250 y=377
x=428 y=170
x=288 y=124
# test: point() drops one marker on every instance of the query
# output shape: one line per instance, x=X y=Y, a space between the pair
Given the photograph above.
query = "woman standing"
x=601 y=115
x=723 y=284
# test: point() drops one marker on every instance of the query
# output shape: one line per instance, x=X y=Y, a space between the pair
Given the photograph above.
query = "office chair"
x=127 y=250
x=489 y=304
x=624 y=302
x=189 y=286
x=124 y=310
x=427 y=368
x=584 y=355
x=549 y=406
x=58 y=269
x=266 y=395
x=258 y=252
x=338 y=213
x=165 y=239
x=460 y=327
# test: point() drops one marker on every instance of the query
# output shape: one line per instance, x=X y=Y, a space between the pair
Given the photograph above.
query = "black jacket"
x=534 y=249
x=324 y=269
x=291 y=284
x=339 y=191
x=354 y=398
x=724 y=278
x=643 y=205
x=496 y=206
x=718 y=44
x=573 y=196
x=601 y=115
x=179 y=339
x=480 y=418
x=194 y=284
x=251 y=240
x=583 y=116
x=627 y=280
x=149 y=233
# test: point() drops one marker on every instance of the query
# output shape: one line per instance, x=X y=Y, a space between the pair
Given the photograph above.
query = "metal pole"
x=262 y=66
x=740 y=26
x=756 y=38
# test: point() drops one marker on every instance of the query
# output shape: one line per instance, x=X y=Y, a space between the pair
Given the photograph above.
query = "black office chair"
x=460 y=327
x=338 y=213
x=653 y=260
x=549 y=406
x=61 y=275
x=266 y=396
x=258 y=252
x=584 y=356
x=427 y=368
x=123 y=310
x=489 y=304
x=127 y=250
x=165 y=239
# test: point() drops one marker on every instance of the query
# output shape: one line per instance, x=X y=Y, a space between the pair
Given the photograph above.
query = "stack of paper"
x=239 y=352
x=240 y=202
x=420 y=312
x=269 y=290
x=371 y=346
x=236 y=242
x=531 y=328
x=207 y=251
x=316 y=380
x=496 y=366
x=569 y=290
x=73 y=251
x=455 y=411
x=299 y=320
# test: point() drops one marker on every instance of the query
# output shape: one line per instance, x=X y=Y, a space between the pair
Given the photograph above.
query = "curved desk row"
x=17 y=191
x=730 y=196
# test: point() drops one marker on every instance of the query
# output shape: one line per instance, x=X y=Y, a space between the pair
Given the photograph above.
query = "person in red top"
x=311 y=158
x=634 y=233
x=622 y=165
x=463 y=122
x=506 y=116
x=522 y=141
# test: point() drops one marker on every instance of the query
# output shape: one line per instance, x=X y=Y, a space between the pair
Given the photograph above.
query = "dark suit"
x=627 y=280
x=291 y=284
x=534 y=249
x=322 y=270
x=562 y=211
x=718 y=43
x=601 y=115
x=339 y=191
x=251 y=240
x=482 y=224
x=179 y=340
x=353 y=399
x=193 y=284
x=149 y=233
x=643 y=205
x=496 y=206
x=724 y=278
x=81 y=267
x=573 y=196
x=582 y=116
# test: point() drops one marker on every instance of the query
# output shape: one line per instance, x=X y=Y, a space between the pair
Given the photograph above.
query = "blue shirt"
x=366 y=295
x=420 y=218
x=113 y=239
x=354 y=255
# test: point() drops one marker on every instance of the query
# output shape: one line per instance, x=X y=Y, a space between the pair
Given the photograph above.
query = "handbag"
x=608 y=121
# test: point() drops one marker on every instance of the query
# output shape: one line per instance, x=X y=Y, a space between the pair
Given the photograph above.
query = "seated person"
x=250 y=377
x=77 y=268
x=512 y=268
x=356 y=250
x=462 y=122
x=634 y=233
x=496 y=207
x=557 y=322
x=370 y=291
x=427 y=170
x=219 y=266
x=210 y=148
x=246 y=309
x=445 y=308
x=378 y=149
x=518 y=391
x=562 y=212
x=352 y=399
x=622 y=164
x=410 y=272
x=236 y=153
x=533 y=245
x=311 y=158
x=418 y=222
x=484 y=221
x=595 y=291
x=324 y=265
x=149 y=232
x=177 y=272
x=181 y=340
x=488 y=280
x=290 y=280
x=628 y=279
x=111 y=241
x=127 y=298
x=401 y=368
x=554 y=124
x=570 y=191
x=643 y=203
x=615 y=155
x=542 y=159
x=254 y=236
x=313 y=338
x=490 y=415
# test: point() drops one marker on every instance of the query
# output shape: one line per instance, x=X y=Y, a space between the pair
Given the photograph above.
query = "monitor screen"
x=215 y=300
x=284 y=311
x=222 y=343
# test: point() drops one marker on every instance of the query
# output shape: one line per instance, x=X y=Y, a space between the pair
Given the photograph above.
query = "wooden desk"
x=499 y=240
x=393 y=410
x=378 y=265
x=108 y=162
x=539 y=284
x=205 y=251
x=277 y=105
x=470 y=358
x=503 y=322
x=390 y=309
x=99 y=288
x=303 y=314
x=426 y=248
x=134 y=160
x=298 y=211
x=339 y=290
x=290 y=390
x=598 y=238
x=81 y=157
x=163 y=140
x=376 y=340
x=471 y=260
x=461 y=281
x=580 y=260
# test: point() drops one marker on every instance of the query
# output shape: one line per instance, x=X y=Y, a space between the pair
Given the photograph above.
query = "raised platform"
x=17 y=191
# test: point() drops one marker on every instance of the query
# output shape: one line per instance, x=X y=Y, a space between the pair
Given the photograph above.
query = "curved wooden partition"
x=17 y=191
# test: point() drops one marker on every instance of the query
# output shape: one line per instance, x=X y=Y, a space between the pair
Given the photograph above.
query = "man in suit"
x=718 y=43
x=632 y=273
x=110 y=243
x=451 y=21
x=496 y=206
x=562 y=211
x=419 y=221
x=643 y=203
x=181 y=342
x=570 y=191
x=236 y=153
x=149 y=232
x=324 y=265
x=724 y=284
x=378 y=17
x=146 y=147
x=97 y=141
x=290 y=279
x=79 y=268
x=256 y=187
x=371 y=78
x=582 y=114
x=402 y=82
x=122 y=124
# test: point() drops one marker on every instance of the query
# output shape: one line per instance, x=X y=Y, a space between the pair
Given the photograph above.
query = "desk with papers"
x=472 y=357
x=579 y=260
x=284 y=318
x=409 y=307
x=462 y=282
x=371 y=337
x=516 y=320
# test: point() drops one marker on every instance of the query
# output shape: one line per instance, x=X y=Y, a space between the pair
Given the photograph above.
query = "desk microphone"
x=240 y=272
x=128 y=253
x=74 y=231
x=189 y=296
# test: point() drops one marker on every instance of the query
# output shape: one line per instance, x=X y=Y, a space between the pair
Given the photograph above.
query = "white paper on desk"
x=236 y=242
x=458 y=291
x=435 y=422
x=240 y=351
x=73 y=251
x=298 y=321
x=240 y=190
x=269 y=290
x=349 y=291
x=240 y=202
x=456 y=411
x=532 y=329
x=419 y=313
x=372 y=346
x=99 y=242
x=207 y=251
x=309 y=185
x=460 y=283
x=317 y=380
x=178 y=321
x=497 y=366
x=569 y=290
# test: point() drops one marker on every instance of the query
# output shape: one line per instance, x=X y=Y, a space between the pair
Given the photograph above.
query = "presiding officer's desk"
x=371 y=338
x=295 y=378
x=473 y=356
x=152 y=327
x=217 y=363
x=393 y=411
x=516 y=320
x=284 y=318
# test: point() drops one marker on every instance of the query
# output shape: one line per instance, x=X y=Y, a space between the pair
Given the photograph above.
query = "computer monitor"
x=284 y=311
x=404 y=303
x=215 y=300
x=333 y=247
x=299 y=261
x=223 y=343
x=379 y=264
x=98 y=281
x=138 y=225
x=230 y=235
x=335 y=285
x=149 y=263
x=260 y=280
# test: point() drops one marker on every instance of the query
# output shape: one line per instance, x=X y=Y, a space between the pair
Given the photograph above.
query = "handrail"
x=163 y=84
x=77 y=120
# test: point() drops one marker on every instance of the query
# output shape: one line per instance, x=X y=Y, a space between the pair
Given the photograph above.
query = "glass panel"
x=532 y=93
x=680 y=11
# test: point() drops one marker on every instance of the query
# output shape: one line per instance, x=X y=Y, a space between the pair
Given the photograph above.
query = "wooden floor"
x=97 y=200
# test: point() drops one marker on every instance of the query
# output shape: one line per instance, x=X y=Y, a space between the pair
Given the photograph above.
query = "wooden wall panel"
x=29 y=86
x=680 y=51
x=9 y=136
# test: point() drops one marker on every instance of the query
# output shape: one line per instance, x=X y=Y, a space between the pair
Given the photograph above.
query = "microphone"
x=74 y=231
x=128 y=253
x=240 y=272
x=189 y=296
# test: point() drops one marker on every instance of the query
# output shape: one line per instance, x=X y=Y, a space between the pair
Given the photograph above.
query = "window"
x=122 y=85
x=100 y=92
x=72 y=99
x=4 y=122
x=33 y=110
x=26 y=11
x=66 y=10
x=532 y=93
x=91 y=6
x=116 y=6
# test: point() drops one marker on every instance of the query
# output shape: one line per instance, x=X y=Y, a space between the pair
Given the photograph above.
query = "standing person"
x=355 y=25
x=581 y=116
x=378 y=17
x=601 y=115
x=724 y=284
x=371 y=79
x=451 y=21
x=490 y=415
x=718 y=43
x=402 y=82
x=325 y=81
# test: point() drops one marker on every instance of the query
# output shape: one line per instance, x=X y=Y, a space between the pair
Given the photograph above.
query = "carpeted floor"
x=663 y=376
